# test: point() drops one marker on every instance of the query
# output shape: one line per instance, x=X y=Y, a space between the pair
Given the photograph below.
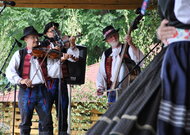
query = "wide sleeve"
x=74 y=52
x=12 y=69
x=137 y=56
x=101 y=76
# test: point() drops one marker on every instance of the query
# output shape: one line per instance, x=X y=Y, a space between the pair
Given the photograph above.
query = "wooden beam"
x=80 y=4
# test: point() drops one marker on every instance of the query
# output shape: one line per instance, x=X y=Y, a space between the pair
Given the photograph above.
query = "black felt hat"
x=29 y=31
x=109 y=30
x=49 y=25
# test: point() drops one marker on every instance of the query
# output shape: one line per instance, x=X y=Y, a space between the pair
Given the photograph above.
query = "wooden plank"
x=94 y=118
x=81 y=126
x=81 y=4
x=83 y=122
x=78 y=1
x=94 y=111
x=78 y=132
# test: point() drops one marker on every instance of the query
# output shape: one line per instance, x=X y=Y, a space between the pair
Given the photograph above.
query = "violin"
x=42 y=50
x=39 y=51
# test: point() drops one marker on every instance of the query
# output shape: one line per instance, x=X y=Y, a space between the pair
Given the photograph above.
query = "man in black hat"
x=29 y=73
x=53 y=83
x=109 y=62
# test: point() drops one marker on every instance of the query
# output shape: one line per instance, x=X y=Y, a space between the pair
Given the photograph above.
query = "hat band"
x=107 y=32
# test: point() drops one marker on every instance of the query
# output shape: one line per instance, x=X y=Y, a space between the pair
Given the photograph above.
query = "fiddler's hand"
x=74 y=58
x=26 y=82
x=65 y=57
x=164 y=32
x=56 y=48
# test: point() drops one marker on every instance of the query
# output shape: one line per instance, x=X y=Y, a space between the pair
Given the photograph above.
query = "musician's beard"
x=114 y=43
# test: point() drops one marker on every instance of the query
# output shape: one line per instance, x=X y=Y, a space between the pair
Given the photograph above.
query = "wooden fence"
x=81 y=119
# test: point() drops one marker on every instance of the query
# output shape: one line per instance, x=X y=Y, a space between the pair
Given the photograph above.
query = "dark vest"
x=108 y=64
x=23 y=53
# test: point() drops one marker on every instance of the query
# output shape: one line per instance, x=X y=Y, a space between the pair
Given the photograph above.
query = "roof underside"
x=83 y=4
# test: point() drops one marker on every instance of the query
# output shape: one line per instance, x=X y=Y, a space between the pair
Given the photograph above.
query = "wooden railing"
x=81 y=120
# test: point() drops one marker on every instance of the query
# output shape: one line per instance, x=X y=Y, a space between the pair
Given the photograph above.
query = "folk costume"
x=136 y=110
x=23 y=65
x=108 y=65
x=174 y=118
x=53 y=83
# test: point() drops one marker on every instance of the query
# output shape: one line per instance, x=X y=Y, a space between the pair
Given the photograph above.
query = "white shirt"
x=101 y=77
x=73 y=51
x=53 y=66
x=12 y=70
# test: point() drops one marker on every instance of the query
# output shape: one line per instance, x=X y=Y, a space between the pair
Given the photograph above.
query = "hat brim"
x=39 y=34
x=48 y=27
x=114 y=31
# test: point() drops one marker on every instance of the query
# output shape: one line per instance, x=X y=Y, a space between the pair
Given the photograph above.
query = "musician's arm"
x=128 y=39
x=136 y=57
x=101 y=76
x=74 y=54
x=134 y=52
x=11 y=70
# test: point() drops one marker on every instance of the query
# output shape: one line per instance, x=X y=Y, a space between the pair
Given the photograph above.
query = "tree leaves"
x=72 y=21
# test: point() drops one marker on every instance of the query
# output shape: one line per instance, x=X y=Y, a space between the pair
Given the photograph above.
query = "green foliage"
x=86 y=100
x=72 y=21
x=87 y=93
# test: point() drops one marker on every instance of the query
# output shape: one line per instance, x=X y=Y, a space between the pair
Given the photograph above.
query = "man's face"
x=50 y=33
x=31 y=41
x=67 y=44
x=113 y=39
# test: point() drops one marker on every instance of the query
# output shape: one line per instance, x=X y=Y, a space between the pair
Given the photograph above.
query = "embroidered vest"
x=26 y=66
x=108 y=63
x=23 y=71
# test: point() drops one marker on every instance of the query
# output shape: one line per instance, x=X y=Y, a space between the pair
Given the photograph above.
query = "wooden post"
x=69 y=109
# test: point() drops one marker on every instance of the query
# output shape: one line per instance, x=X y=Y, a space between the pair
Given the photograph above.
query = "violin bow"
x=39 y=67
x=60 y=41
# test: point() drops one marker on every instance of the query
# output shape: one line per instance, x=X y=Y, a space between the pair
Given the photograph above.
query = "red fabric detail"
x=44 y=101
x=30 y=94
x=26 y=67
x=108 y=68
x=50 y=85
x=126 y=56
x=43 y=67
x=108 y=65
